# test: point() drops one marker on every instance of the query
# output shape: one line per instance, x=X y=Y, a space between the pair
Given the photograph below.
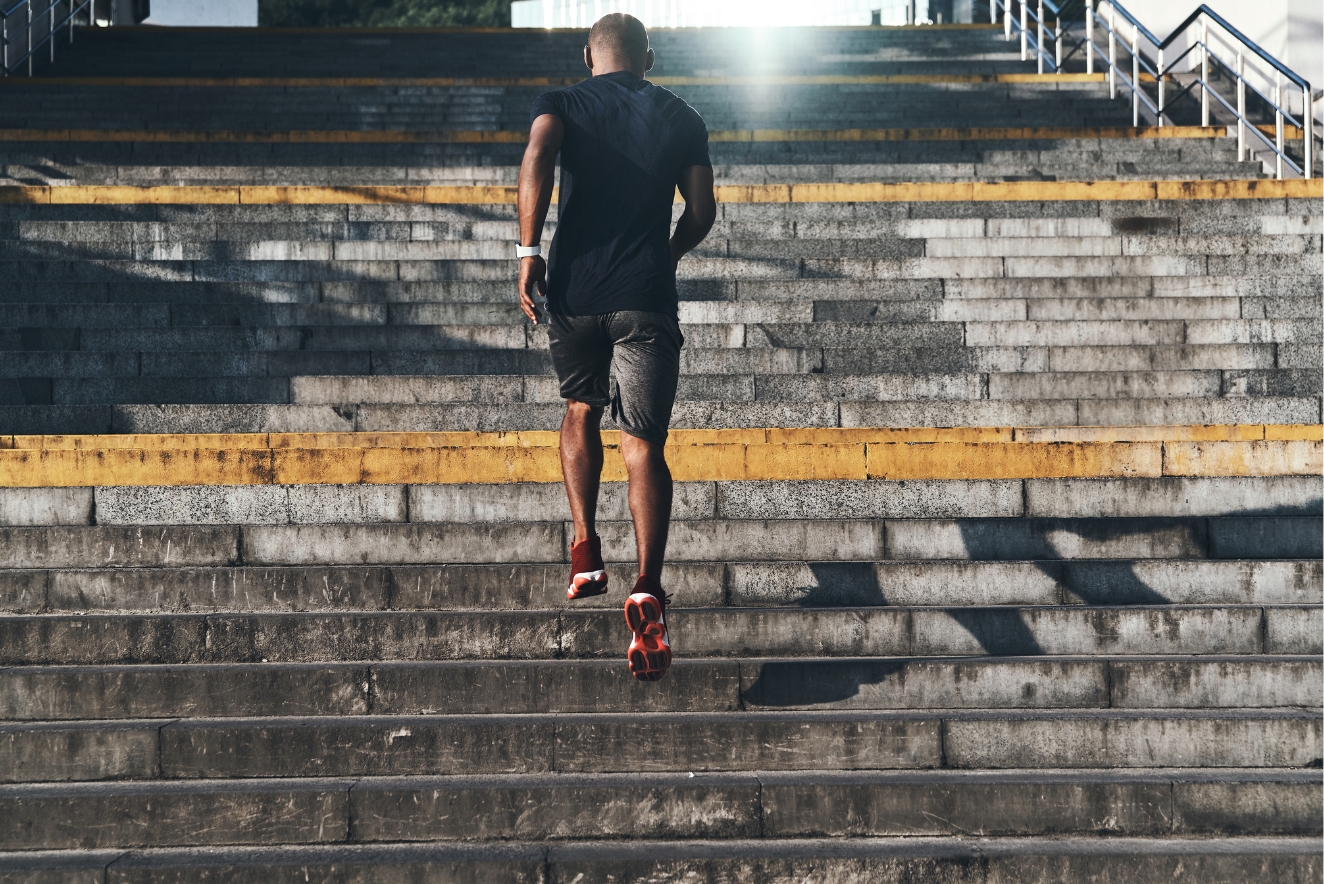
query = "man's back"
x=625 y=144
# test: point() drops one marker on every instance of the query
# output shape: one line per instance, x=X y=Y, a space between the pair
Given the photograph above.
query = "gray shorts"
x=647 y=350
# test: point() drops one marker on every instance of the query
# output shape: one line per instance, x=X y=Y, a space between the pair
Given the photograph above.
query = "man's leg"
x=581 y=353
x=650 y=501
x=581 y=464
x=647 y=369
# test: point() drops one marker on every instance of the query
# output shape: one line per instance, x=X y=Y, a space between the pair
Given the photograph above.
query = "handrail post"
x=50 y=27
x=1089 y=36
x=1204 y=72
x=4 y=38
x=1135 y=77
x=1241 y=105
x=1160 y=87
x=992 y=12
x=1006 y=21
x=29 y=38
x=1040 y=32
x=1057 y=44
x=1112 y=52
x=1278 y=120
x=1025 y=20
x=1307 y=131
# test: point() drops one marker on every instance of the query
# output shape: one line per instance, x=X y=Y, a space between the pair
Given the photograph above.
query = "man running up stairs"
x=996 y=539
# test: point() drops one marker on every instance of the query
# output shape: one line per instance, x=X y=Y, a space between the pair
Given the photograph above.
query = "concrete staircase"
x=282 y=551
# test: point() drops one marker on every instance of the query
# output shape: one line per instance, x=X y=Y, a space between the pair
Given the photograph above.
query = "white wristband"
x=528 y=251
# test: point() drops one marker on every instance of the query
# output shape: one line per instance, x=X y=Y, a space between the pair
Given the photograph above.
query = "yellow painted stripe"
x=478 y=136
x=741 y=436
x=943 y=191
x=723 y=461
x=554 y=82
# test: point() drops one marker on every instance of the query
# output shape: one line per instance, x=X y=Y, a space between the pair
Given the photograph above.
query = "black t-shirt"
x=626 y=142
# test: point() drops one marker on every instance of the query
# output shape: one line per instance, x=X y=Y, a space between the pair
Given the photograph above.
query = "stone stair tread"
x=219 y=690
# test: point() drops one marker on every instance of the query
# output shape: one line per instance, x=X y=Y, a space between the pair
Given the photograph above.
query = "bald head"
x=618 y=42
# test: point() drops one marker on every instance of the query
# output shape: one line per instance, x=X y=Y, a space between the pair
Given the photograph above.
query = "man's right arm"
x=696 y=186
x=536 y=175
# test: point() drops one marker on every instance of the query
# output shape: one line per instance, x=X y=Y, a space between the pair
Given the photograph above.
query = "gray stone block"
x=742 y=741
x=922 y=684
x=358 y=746
x=605 y=806
x=193 y=504
x=543 y=503
x=1041 y=413
x=403 y=544
x=112 y=546
x=986 y=539
x=45 y=506
x=1293 y=630
x=164 y=691
x=1140 y=740
x=1243 y=808
x=163 y=815
x=830 y=584
x=342 y=504
x=875 y=499
x=1149 y=498
x=1196 y=684
x=754 y=539
x=219 y=589
x=53 y=753
x=1279 y=537
x=881 y=804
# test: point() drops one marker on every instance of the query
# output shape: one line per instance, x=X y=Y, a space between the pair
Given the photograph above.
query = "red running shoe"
x=649 y=654
x=587 y=574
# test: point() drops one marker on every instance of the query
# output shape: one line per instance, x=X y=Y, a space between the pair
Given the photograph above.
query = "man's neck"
x=602 y=70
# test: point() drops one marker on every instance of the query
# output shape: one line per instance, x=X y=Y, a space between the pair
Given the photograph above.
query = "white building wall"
x=204 y=13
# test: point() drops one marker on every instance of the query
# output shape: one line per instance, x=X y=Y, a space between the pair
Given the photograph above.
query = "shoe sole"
x=588 y=584
x=648 y=656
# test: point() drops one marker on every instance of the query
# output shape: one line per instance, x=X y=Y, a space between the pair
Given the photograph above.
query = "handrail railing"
x=21 y=37
x=1161 y=71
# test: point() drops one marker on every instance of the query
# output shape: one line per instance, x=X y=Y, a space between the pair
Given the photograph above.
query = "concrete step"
x=870 y=223
x=728 y=388
x=694 y=684
x=732 y=388
x=582 y=806
x=343 y=418
x=759 y=861
x=502 y=311
x=763 y=335
x=889 y=631
x=442 y=745
x=186 y=586
x=1279 y=253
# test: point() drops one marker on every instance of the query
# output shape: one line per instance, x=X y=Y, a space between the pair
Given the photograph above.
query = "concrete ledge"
x=1009 y=860
x=363 y=82
x=942 y=191
x=507 y=136
x=432 y=459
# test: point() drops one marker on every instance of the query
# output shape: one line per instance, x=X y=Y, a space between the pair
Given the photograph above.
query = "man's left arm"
x=696 y=186
x=536 y=175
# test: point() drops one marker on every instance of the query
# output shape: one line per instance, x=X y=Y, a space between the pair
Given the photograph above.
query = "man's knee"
x=641 y=452
x=582 y=410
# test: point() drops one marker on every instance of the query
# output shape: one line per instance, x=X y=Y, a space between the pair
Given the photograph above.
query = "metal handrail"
x=1162 y=72
x=22 y=34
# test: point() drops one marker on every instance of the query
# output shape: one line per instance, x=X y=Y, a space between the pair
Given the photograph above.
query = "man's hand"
x=696 y=186
x=532 y=279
